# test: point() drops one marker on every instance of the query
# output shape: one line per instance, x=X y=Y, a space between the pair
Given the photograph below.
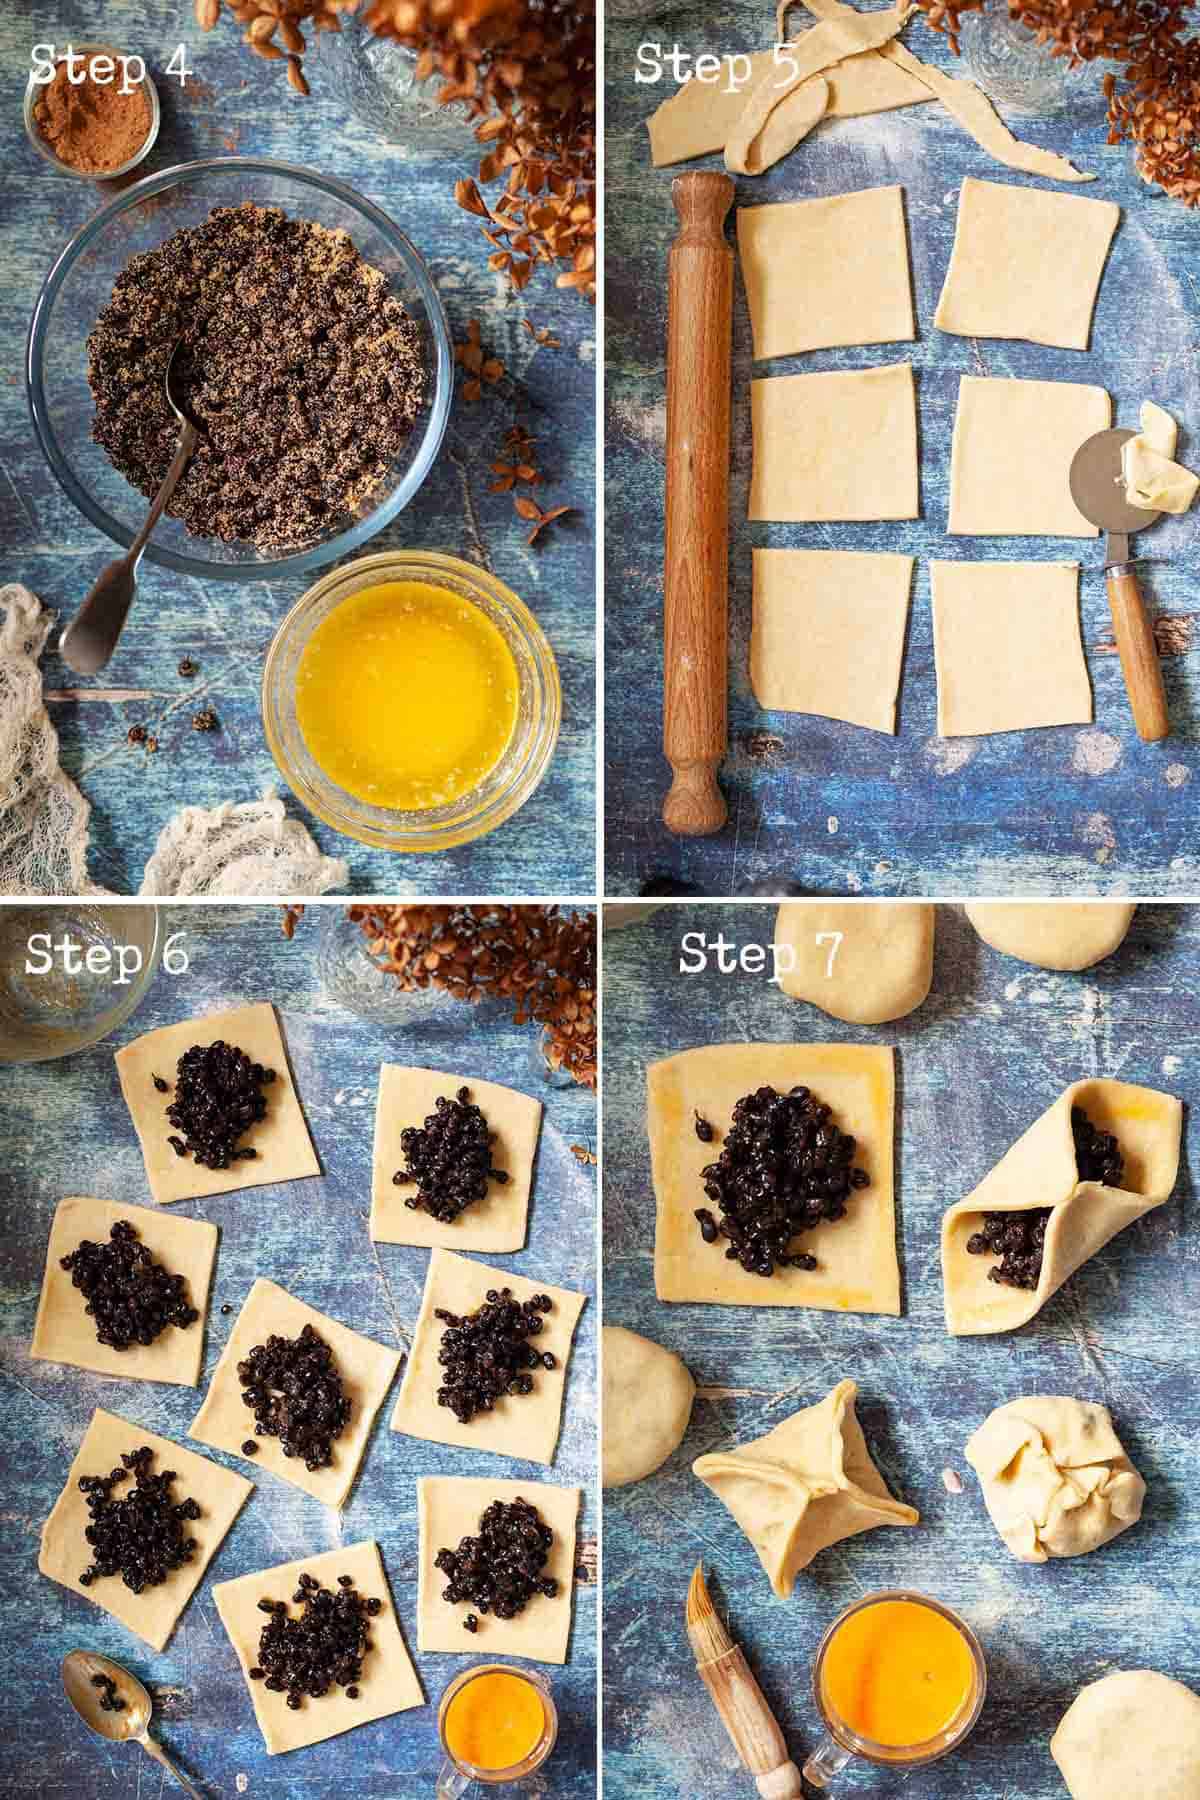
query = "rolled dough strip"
x=788 y=125
x=828 y=42
x=698 y=117
x=976 y=114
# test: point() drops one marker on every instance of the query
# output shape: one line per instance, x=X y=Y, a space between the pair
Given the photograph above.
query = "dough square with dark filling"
x=220 y=1494
x=835 y=446
x=828 y=633
x=497 y=1223
x=858 y=1268
x=1007 y=646
x=389 y=1683
x=284 y=1148
x=449 y=1508
x=827 y=272
x=367 y=1370
x=521 y=1425
x=63 y=1331
x=1010 y=458
x=1027 y=263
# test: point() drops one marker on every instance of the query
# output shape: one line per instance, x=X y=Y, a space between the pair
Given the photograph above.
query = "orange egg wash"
x=406 y=695
x=494 y=1721
x=898 y=1673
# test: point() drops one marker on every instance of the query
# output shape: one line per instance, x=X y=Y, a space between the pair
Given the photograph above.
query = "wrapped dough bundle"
x=1040 y=1171
x=804 y=1486
x=1055 y=1477
x=1134 y=1735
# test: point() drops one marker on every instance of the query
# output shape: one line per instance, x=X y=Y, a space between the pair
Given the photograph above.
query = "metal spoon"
x=91 y=637
x=1098 y=491
x=133 y=1721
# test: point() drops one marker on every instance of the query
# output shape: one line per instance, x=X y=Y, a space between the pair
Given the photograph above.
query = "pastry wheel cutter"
x=1098 y=490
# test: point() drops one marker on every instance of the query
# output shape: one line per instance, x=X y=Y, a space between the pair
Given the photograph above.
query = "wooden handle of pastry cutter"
x=1139 y=654
x=748 y=1719
x=695 y=574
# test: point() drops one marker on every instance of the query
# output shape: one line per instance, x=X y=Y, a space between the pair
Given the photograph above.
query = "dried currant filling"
x=1019 y=1238
x=500 y=1571
x=218 y=1097
x=487 y=1353
x=305 y=1654
x=110 y=1699
x=449 y=1158
x=294 y=1390
x=784 y=1167
x=141 y=1537
x=131 y=1297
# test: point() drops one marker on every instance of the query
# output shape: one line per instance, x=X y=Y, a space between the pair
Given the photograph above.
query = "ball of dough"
x=865 y=962
x=1132 y=1733
x=1055 y=1477
x=648 y=1396
x=1053 y=935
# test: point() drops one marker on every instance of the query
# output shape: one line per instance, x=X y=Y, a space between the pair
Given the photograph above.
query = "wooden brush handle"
x=1139 y=654
x=695 y=575
x=751 y=1725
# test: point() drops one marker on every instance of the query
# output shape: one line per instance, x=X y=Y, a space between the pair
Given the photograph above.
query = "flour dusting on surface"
x=1177 y=775
x=1095 y=753
x=949 y=755
x=1097 y=830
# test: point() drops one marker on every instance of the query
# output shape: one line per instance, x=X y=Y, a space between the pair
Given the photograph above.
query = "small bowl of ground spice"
x=96 y=118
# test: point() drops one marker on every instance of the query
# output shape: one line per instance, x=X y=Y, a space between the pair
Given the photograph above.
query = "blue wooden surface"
x=994 y=1044
x=64 y=1129
x=831 y=807
x=238 y=104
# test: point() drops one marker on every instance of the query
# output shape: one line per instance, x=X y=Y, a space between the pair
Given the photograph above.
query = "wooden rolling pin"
x=696 y=574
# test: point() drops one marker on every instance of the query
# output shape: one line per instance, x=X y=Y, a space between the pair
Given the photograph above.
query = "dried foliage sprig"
x=1153 y=99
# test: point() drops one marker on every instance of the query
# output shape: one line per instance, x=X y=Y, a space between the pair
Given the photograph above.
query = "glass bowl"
x=58 y=1013
x=79 y=285
x=34 y=89
x=502 y=791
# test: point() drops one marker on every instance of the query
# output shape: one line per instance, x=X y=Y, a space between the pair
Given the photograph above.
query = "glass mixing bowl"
x=57 y=1011
x=500 y=793
x=79 y=285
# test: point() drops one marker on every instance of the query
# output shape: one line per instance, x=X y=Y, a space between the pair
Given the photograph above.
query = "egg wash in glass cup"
x=406 y=695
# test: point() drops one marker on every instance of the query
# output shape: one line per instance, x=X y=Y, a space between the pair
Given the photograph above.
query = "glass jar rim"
x=549 y=1732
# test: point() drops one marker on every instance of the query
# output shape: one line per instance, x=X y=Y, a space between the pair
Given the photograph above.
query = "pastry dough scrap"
x=1053 y=934
x=63 y=1332
x=1055 y=1477
x=1027 y=263
x=366 y=1368
x=1010 y=461
x=828 y=272
x=1040 y=1171
x=1132 y=1732
x=1007 y=646
x=866 y=961
x=804 y=1486
x=525 y=1425
x=389 y=1682
x=858 y=1269
x=828 y=633
x=449 y=1508
x=1153 y=480
x=285 y=1151
x=153 y=1614
x=496 y=1223
x=835 y=446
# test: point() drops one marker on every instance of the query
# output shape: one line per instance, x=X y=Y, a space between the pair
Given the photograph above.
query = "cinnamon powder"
x=92 y=126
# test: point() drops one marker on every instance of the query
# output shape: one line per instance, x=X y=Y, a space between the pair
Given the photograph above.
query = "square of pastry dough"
x=1026 y=263
x=857 y=1265
x=495 y=1223
x=153 y=1614
x=449 y=1508
x=1010 y=460
x=523 y=1425
x=1007 y=647
x=388 y=1683
x=835 y=446
x=828 y=633
x=366 y=1368
x=63 y=1332
x=828 y=272
x=281 y=1140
